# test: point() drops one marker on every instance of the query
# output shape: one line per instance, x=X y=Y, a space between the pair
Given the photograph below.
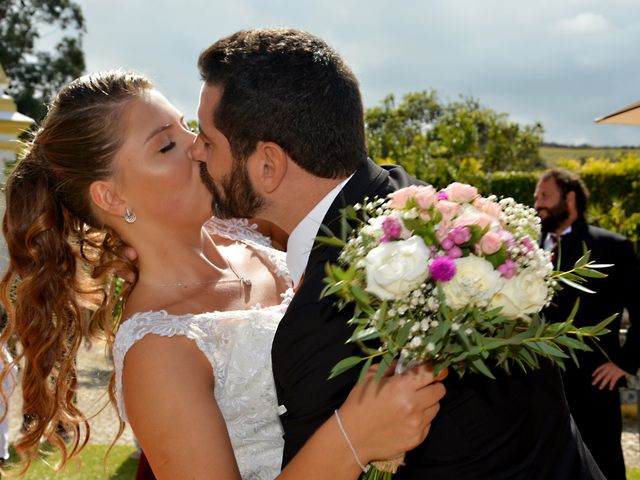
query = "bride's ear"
x=104 y=196
x=269 y=167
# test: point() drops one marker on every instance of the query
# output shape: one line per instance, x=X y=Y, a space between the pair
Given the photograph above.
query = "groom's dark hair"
x=289 y=87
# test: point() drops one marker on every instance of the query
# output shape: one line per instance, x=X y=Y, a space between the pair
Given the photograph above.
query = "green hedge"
x=614 y=185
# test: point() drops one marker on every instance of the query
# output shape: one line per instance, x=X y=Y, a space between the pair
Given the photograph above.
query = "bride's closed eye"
x=168 y=147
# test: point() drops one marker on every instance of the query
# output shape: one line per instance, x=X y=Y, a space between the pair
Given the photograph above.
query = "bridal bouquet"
x=453 y=279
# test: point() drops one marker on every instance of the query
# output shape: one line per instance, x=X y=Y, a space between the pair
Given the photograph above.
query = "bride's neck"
x=178 y=259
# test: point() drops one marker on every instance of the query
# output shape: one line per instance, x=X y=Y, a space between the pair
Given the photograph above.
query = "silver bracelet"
x=364 y=468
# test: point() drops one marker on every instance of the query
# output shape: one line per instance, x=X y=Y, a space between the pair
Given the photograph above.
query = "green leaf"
x=582 y=260
x=549 y=349
x=600 y=265
x=531 y=360
x=587 y=272
x=575 y=285
x=574 y=311
x=572 y=343
x=481 y=367
x=360 y=294
x=364 y=335
x=572 y=277
x=333 y=289
x=387 y=359
x=331 y=241
x=403 y=334
x=365 y=369
x=601 y=326
x=344 y=365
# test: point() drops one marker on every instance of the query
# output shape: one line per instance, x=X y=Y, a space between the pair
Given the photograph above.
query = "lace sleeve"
x=158 y=323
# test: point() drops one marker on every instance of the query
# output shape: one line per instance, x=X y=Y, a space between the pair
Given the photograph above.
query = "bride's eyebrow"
x=157 y=131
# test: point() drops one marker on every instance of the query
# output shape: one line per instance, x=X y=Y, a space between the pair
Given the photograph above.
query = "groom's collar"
x=304 y=234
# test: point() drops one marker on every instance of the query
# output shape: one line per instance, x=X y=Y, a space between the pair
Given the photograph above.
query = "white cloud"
x=585 y=23
x=536 y=61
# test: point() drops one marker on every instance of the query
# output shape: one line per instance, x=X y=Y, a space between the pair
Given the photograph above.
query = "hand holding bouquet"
x=453 y=279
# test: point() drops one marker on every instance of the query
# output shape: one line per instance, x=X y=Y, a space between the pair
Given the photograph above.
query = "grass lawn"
x=90 y=465
x=120 y=466
x=551 y=155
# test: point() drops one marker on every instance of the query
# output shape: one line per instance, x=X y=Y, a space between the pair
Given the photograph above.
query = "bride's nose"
x=197 y=150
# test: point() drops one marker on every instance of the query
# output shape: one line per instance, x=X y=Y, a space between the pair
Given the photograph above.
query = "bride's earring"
x=129 y=216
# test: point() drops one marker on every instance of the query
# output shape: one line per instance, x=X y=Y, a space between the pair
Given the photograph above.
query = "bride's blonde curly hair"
x=58 y=289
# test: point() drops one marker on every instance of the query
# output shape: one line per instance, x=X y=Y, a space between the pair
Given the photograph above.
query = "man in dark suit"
x=592 y=387
x=291 y=112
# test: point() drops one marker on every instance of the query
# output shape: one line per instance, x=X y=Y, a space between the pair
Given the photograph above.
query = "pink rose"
x=447 y=243
x=426 y=197
x=490 y=243
x=447 y=209
x=461 y=192
x=460 y=235
x=481 y=219
x=488 y=207
x=399 y=198
x=443 y=230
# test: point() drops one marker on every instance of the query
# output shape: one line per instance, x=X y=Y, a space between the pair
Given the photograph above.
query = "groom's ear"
x=104 y=196
x=271 y=166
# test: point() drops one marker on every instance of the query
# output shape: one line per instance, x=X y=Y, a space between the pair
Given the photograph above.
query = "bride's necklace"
x=245 y=281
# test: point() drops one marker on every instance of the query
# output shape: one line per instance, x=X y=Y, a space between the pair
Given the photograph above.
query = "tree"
x=433 y=139
x=36 y=75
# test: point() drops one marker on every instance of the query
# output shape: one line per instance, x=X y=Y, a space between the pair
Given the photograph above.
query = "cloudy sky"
x=559 y=62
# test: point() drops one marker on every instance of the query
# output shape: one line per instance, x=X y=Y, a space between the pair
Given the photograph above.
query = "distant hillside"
x=550 y=153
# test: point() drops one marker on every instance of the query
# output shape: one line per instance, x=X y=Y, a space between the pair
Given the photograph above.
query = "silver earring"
x=129 y=216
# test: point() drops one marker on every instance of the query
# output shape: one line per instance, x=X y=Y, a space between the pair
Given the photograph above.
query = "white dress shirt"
x=304 y=234
x=551 y=240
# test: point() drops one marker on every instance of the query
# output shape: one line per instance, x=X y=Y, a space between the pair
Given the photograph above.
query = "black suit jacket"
x=515 y=427
x=613 y=294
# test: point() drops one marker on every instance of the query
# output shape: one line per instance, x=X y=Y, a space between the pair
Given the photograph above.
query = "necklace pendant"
x=246 y=281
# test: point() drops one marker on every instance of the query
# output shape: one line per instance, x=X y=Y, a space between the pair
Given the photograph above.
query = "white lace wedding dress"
x=238 y=346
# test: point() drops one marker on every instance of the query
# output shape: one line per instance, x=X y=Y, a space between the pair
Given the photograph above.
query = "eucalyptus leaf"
x=344 y=365
x=575 y=285
x=479 y=365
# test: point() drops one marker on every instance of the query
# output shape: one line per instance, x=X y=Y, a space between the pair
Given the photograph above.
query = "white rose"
x=523 y=294
x=475 y=283
x=396 y=268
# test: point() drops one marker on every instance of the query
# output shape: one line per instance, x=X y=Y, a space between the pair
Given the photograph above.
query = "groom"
x=282 y=133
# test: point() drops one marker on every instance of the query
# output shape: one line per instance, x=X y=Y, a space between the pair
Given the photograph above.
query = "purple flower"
x=455 y=252
x=527 y=244
x=460 y=235
x=391 y=228
x=443 y=196
x=442 y=269
x=507 y=269
x=508 y=238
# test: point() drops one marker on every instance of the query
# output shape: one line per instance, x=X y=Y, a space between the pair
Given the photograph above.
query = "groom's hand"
x=130 y=254
x=390 y=417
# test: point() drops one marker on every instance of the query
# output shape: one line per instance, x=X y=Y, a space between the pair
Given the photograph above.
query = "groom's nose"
x=197 y=150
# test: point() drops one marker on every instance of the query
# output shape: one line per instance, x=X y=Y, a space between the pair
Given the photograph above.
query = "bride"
x=111 y=166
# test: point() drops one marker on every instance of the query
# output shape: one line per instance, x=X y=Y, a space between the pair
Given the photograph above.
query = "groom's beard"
x=556 y=216
x=208 y=182
x=235 y=197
